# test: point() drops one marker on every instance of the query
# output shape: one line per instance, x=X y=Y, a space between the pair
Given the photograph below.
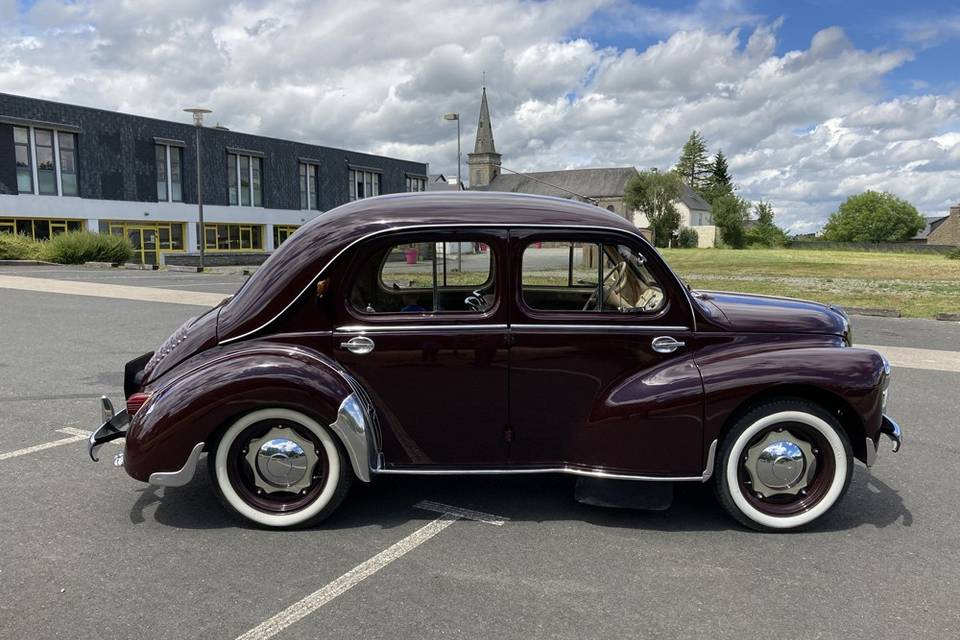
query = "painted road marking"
x=76 y=435
x=120 y=291
x=299 y=610
x=910 y=358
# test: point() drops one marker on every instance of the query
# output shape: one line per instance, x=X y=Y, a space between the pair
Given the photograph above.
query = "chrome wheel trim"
x=277 y=519
x=737 y=453
x=781 y=463
x=281 y=460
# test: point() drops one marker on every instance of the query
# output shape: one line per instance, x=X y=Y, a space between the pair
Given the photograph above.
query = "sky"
x=810 y=100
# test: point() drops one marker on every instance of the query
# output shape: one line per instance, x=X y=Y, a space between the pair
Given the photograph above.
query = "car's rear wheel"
x=783 y=465
x=279 y=468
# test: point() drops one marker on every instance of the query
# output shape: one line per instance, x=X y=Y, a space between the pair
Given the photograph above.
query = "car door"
x=597 y=380
x=423 y=327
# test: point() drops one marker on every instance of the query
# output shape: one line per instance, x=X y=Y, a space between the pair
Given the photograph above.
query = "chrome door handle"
x=666 y=344
x=360 y=345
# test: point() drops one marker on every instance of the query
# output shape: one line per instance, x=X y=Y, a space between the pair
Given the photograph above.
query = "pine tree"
x=720 y=182
x=693 y=166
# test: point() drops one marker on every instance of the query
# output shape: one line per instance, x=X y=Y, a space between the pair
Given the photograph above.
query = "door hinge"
x=508 y=434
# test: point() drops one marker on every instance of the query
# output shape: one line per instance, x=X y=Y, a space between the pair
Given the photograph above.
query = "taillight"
x=135 y=401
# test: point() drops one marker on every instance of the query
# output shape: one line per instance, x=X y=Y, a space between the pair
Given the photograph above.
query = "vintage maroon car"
x=480 y=333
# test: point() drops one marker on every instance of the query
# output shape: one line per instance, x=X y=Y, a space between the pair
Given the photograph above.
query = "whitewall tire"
x=279 y=468
x=783 y=465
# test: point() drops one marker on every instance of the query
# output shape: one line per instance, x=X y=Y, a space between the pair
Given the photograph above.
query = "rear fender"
x=189 y=404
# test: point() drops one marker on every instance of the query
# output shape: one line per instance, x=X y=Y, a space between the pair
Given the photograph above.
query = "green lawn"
x=920 y=285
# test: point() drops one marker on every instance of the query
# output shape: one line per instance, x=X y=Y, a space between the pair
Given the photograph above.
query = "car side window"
x=426 y=277
x=587 y=277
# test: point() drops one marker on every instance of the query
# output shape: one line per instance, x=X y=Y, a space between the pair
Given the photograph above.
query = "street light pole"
x=201 y=236
x=456 y=116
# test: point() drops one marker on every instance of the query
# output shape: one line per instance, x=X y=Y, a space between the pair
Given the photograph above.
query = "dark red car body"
x=514 y=389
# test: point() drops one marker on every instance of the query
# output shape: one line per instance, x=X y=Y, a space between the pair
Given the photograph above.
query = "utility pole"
x=202 y=235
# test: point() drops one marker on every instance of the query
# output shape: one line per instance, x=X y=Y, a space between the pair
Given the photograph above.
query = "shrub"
x=953 y=254
x=77 y=247
x=689 y=238
x=873 y=217
x=14 y=246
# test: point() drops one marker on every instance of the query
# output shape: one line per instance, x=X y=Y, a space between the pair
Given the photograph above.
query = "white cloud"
x=803 y=129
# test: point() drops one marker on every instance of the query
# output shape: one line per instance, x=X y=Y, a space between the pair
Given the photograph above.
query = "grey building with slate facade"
x=65 y=167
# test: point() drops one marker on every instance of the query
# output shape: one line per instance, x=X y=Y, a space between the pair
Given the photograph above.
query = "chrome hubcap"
x=281 y=460
x=781 y=463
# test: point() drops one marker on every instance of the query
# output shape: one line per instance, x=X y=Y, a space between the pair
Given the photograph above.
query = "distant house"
x=603 y=187
x=941 y=229
x=440 y=182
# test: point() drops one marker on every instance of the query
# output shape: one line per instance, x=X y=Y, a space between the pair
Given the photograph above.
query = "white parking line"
x=76 y=435
x=299 y=610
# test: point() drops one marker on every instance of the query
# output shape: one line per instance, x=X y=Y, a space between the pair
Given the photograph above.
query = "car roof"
x=296 y=263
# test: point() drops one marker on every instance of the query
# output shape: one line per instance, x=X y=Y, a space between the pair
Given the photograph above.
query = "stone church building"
x=603 y=187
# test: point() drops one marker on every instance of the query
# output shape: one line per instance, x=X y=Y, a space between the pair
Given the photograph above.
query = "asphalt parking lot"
x=87 y=552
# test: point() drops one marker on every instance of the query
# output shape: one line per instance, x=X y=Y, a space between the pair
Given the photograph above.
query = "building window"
x=245 y=180
x=21 y=141
x=169 y=173
x=415 y=183
x=308 y=185
x=68 y=163
x=364 y=184
x=233 y=237
x=46 y=161
x=281 y=232
x=39 y=228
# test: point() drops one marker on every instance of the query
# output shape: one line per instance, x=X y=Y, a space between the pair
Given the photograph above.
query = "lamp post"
x=456 y=116
x=201 y=236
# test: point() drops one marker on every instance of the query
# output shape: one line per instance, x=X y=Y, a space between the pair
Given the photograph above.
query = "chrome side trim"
x=352 y=427
x=181 y=477
x=599 y=327
x=565 y=469
x=452 y=225
x=373 y=328
x=711 y=458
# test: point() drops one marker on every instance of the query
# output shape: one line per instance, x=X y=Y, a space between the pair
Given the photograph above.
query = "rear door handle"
x=360 y=345
x=666 y=344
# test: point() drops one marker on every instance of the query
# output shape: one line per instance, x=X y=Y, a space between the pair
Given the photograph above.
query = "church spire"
x=484 y=162
x=484 y=142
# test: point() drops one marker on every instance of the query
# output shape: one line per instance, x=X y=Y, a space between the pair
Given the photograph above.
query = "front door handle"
x=360 y=345
x=666 y=344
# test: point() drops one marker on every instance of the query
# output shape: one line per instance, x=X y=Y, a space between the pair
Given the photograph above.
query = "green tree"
x=693 y=166
x=653 y=193
x=730 y=214
x=765 y=232
x=873 y=217
x=719 y=182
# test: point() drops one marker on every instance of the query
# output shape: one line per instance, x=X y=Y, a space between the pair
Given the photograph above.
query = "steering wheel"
x=619 y=276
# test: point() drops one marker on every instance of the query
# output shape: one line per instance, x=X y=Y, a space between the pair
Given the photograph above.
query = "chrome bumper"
x=889 y=428
x=114 y=427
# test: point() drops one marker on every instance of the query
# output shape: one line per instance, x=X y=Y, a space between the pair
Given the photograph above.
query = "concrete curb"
x=182 y=268
x=949 y=317
x=27 y=263
x=872 y=311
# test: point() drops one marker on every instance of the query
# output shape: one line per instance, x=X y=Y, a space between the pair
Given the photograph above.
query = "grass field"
x=920 y=285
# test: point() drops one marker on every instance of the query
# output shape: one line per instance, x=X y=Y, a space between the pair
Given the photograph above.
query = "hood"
x=195 y=335
x=763 y=314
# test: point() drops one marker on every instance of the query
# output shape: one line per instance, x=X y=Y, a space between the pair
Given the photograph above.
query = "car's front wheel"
x=783 y=465
x=279 y=468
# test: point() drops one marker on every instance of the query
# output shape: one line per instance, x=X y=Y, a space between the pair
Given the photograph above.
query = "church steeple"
x=484 y=142
x=484 y=162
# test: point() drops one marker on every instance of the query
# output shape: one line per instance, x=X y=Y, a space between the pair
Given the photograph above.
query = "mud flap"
x=623 y=494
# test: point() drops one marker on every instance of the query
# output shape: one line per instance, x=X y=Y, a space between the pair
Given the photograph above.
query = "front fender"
x=734 y=375
x=192 y=401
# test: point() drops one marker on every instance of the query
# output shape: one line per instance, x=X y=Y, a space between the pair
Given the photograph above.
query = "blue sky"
x=811 y=101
